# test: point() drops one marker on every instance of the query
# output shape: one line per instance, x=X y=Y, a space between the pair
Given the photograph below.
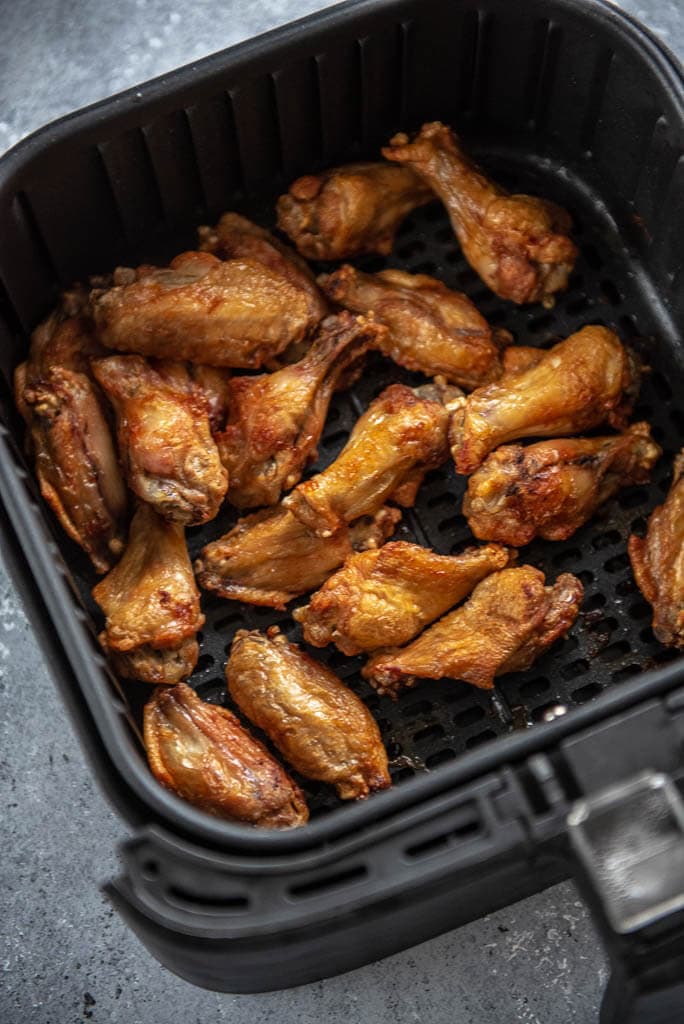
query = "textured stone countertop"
x=65 y=955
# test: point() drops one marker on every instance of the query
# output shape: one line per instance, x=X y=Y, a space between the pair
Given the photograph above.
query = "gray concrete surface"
x=64 y=956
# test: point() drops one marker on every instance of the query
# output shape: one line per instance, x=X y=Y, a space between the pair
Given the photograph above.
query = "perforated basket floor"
x=612 y=639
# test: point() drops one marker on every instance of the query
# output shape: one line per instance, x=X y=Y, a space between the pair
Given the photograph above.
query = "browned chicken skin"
x=317 y=723
x=203 y=754
x=276 y=419
x=431 y=328
x=658 y=562
x=151 y=604
x=394 y=443
x=235 y=237
x=69 y=436
x=510 y=619
x=552 y=488
x=214 y=385
x=169 y=457
x=384 y=598
x=269 y=557
x=517 y=358
x=235 y=313
x=350 y=210
x=582 y=382
x=518 y=244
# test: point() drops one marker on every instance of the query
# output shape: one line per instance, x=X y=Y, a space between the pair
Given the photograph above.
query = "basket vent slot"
x=328 y=883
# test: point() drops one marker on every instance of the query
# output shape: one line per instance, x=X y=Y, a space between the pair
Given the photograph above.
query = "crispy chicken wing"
x=552 y=488
x=169 y=457
x=658 y=562
x=269 y=557
x=431 y=328
x=69 y=436
x=588 y=379
x=203 y=754
x=384 y=598
x=350 y=210
x=235 y=237
x=518 y=244
x=276 y=419
x=395 y=442
x=317 y=723
x=214 y=384
x=223 y=313
x=510 y=619
x=517 y=358
x=151 y=604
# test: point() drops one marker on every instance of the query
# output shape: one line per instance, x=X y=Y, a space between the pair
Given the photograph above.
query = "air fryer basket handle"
x=627 y=849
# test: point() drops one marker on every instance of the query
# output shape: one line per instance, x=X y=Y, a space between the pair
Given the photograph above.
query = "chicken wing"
x=401 y=436
x=658 y=562
x=276 y=419
x=214 y=385
x=431 y=328
x=201 y=752
x=269 y=557
x=69 y=437
x=235 y=237
x=316 y=722
x=223 y=313
x=518 y=244
x=151 y=604
x=517 y=358
x=510 y=619
x=552 y=488
x=386 y=597
x=169 y=457
x=588 y=379
x=350 y=210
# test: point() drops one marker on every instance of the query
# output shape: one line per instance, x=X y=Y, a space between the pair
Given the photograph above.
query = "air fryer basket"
x=570 y=101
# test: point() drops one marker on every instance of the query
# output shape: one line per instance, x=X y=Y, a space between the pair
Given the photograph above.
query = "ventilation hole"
x=606 y=626
x=226 y=621
x=540 y=323
x=481 y=737
x=575 y=668
x=567 y=557
x=610 y=292
x=647 y=635
x=497 y=316
x=444 y=234
x=594 y=602
x=639 y=610
x=205 y=661
x=625 y=673
x=339 y=880
x=615 y=651
x=606 y=540
x=411 y=249
x=578 y=305
x=665 y=655
x=468 y=828
x=592 y=256
x=625 y=588
x=632 y=497
x=403 y=773
x=441 y=757
x=469 y=717
x=535 y=688
x=430 y=732
x=639 y=525
x=628 y=325
x=211 y=901
x=617 y=562
x=150 y=870
x=585 y=576
x=421 y=707
x=586 y=693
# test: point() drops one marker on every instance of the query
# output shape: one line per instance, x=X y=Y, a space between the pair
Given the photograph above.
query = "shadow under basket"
x=569 y=100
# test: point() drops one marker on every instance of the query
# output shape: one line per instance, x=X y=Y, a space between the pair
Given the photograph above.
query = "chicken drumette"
x=276 y=419
x=588 y=379
x=169 y=457
x=384 y=598
x=430 y=327
x=552 y=488
x=68 y=433
x=235 y=312
x=317 y=723
x=151 y=604
x=214 y=385
x=518 y=244
x=401 y=436
x=351 y=210
x=510 y=619
x=269 y=557
x=658 y=562
x=203 y=754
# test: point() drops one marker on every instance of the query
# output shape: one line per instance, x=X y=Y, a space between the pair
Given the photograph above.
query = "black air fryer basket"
x=573 y=766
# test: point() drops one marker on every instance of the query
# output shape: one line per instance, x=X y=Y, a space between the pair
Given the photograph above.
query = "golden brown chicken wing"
x=588 y=379
x=395 y=442
x=552 y=488
x=276 y=419
x=169 y=457
x=223 y=313
x=235 y=237
x=510 y=619
x=347 y=211
x=518 y=244
x=658 y=562
x=431 y=328
x=69 y=436
x=203 y=754
x=517 y=358
x=151 y=604
x=214 y=385
x=269 y=557
x=384 y=598
x=317 y=723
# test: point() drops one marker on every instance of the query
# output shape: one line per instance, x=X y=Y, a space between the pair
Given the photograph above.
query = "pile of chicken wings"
x=141 y=422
